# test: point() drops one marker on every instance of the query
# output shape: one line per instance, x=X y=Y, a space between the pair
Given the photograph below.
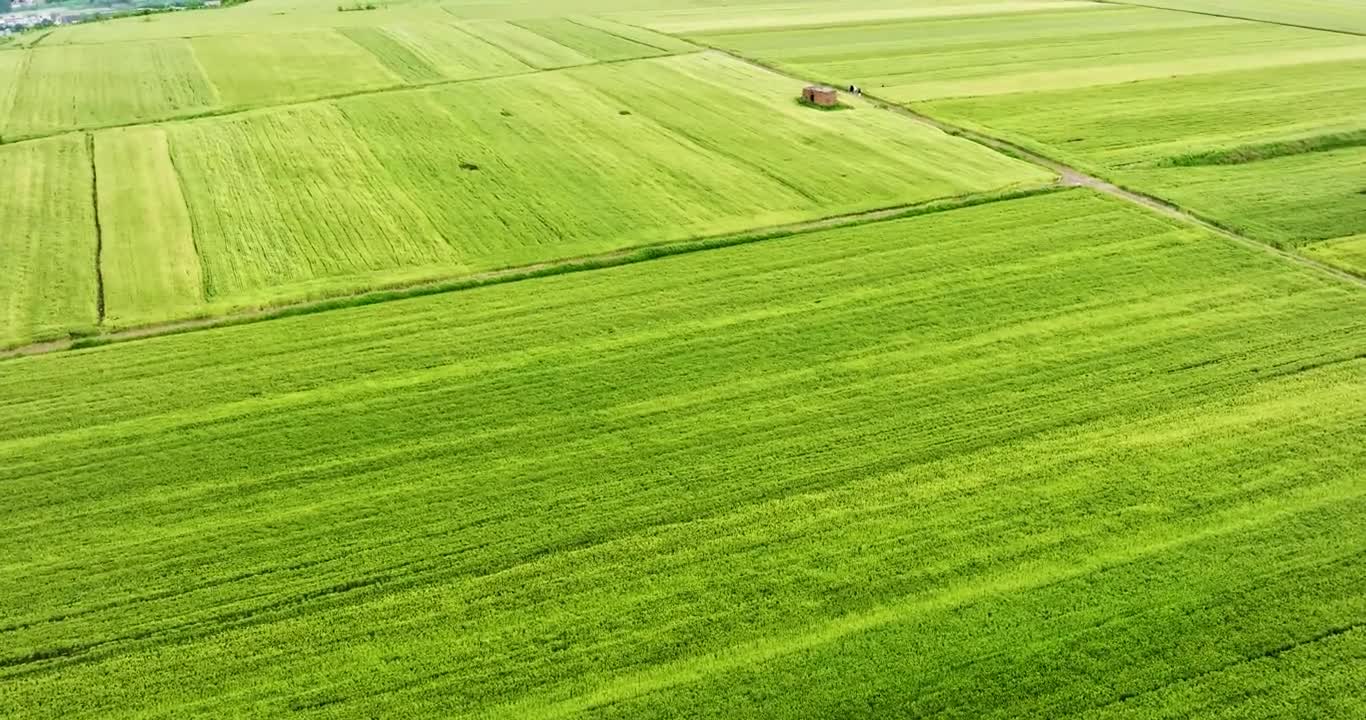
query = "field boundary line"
x=563 y=266
x=99 y=231
x=205 y=287
x=1264 y=21
x=251 y=109
x=572 y=21
x=1074 y=177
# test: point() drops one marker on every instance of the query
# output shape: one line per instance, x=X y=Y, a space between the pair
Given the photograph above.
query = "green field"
x=548 y=358
x=48 y=286
x=1337 y=15
x=864 y=469
x=181 y=65
x=1129 y=93
x=218 y=215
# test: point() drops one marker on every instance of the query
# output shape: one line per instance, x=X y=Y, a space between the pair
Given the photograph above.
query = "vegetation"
x=49 y=285
x=1340 y=15
x=218 y=215
x=569 y=368
x=1234 y=120
x=93 y=85
x=148 y=258
x=963 y=444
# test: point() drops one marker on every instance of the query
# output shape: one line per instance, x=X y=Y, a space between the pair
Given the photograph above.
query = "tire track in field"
x=1073 y=177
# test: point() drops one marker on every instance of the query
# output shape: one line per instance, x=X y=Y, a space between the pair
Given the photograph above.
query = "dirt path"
x=1072 y=177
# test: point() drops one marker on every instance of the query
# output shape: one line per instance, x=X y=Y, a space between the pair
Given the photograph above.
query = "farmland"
x=1135 y=94
x=1013 y=435
x=48 y=287
x=87 y=77
x=547 y=359
x=1337 y=15
x=307 y=201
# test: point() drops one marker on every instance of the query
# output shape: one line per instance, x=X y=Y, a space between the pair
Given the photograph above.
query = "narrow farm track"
x=1264 y=21
x=625 y=256
x=1073 y=177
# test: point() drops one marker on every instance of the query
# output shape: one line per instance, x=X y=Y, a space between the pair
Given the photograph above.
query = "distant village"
x=17 y=16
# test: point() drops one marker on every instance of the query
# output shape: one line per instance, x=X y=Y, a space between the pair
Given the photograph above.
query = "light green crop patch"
x=64 y=88
x=384 y=190
x=49 y=286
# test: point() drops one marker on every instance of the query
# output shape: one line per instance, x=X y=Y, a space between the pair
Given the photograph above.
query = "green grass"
x=1151 y=121
x=1016 y=52
x=11 y=68
x=402 y=60
x=48 y=287
x=532 y=49
x=150 y=265
x=99 y=85
x=708 y=18
x=1266 y=151
x=594 y=42
x=1289 y=200
x=296 y=197
x=1348 y=253
x=1053 y=456
x=1343 y=15
x=455 y=53
x=263 y=69
x=407 y=187
x=644 y=36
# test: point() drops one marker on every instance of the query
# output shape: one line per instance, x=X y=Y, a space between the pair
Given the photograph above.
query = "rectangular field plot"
x=12 y=64
x=150 y=265
x=456 y=54
x=1056 y=447
x=383 y=189
x=64 y=88
x=986 y=55
x=259 y=69
x=400 y=58
x=47 y=246
x=1154 y=121
x=594 y=42
x=296 y=198
x=1288 y=201
x=1348 y=253
x=707 y=18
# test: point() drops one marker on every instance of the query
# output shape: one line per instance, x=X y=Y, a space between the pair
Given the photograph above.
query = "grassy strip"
x=570 y=266
x=1266 y=151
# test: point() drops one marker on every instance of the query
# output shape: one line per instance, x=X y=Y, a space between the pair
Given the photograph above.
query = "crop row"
x=1052 y=455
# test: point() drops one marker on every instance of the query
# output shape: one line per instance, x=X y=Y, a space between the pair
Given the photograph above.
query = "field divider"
x=99 y=232
x=1206 y=13
x=611 y=259
x=1071 y=176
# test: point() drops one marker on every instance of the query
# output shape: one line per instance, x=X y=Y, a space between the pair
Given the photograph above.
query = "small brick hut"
x=821 y=95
